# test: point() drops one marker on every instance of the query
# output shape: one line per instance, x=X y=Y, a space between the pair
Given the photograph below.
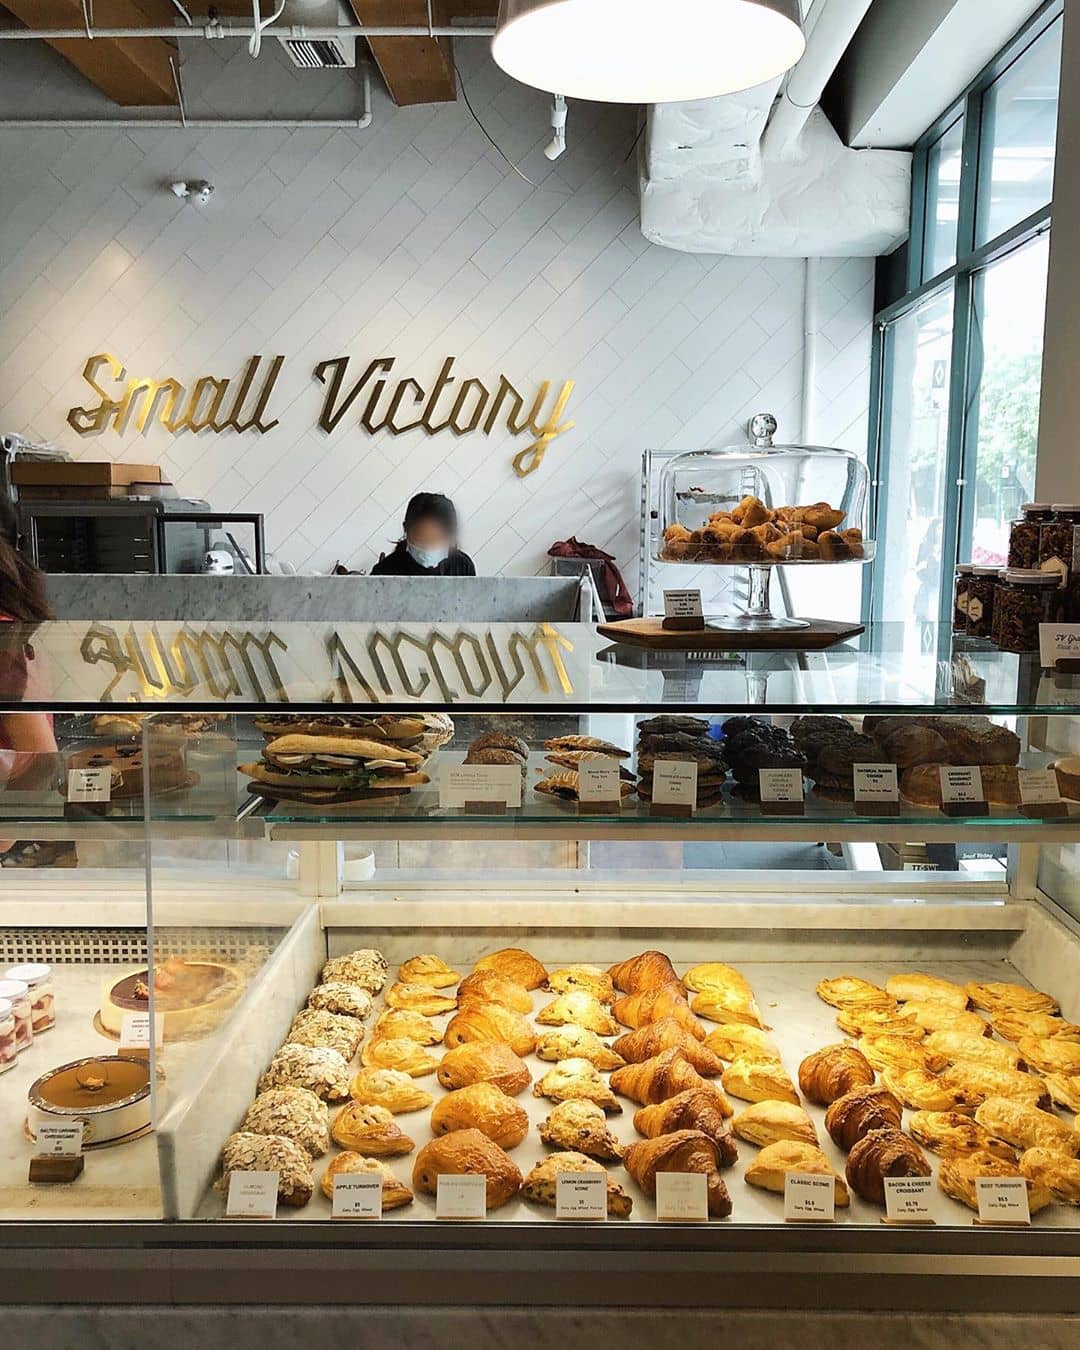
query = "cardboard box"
x=80 y=473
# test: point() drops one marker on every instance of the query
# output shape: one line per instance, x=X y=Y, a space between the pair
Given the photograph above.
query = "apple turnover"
x=390 y=1088
x=398 y=1053
x=420 y=998
x=396 y=1023
x=370 y=1130
x=395 y=1193
x=427 y=969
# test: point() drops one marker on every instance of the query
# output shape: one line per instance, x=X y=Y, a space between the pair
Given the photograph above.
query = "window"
x=958 y=364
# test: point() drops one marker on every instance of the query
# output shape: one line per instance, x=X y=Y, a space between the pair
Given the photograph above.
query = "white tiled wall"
x=411 y=239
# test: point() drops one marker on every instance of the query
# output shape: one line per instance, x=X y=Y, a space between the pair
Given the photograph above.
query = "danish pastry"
x=883 y=1153
x=514 y=964
x=729 y=1040
x=585 y=979
x=483 y=1107
x=315 y=1026
x=370 y=1130
x=1025 y=1126
x=770 y=1168
x=396 y=1023
x=680 y=1151
x=958 y=1173
x=577 y=1080
x=759 y=1080
x=317 y=1068
x=1064 y=1090
x=429 y=970
x=933 y=1016
x=366 y=968
x=849 y=991
x=490 y=1022
x=420 y=998
x=485 y=986
x=999 y=996
x=578 y=1009
x=293 y=1112
x=774 y=1122
x=581 y=1127
x=484 y=1062
x=1012 y=1025
x=654 y=1080
x=729 y=1003
x=638 y=1010
x=390 y=1088
x=648 y=1041
x=949 y=1132
x=715 y=975
x=905 y=988
x=338 y=997
x=247 y=1152
x=1050 y=1055
x=959 y=1045
x=828 y=1073
x=694 y=1109
x=469 y=1153
x=899 y=1052
x=399 y=1053
x=648 y=970
x=924 y=1091
x=865 y=1108
x=987 y=1081
x=541 y=1184
x=572 y=1042
x=395 y=1193
x=1056 y=1172
x=856 y=1021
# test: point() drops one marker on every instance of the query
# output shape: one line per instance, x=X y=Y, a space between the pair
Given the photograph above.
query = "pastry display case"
x=529 y=959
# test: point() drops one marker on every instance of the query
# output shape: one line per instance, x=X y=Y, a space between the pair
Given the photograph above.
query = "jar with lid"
x=960 y=597
x=8 y=1052
x=980 y=606
x=1024 y=534
x=42 y=1004
x=1058 y=552
x=17 y=994
x=1025 y=598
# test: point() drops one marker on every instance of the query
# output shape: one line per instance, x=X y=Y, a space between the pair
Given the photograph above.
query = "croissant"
x=514 y=964
x=399 y=1053
x=420 y=998
x=865 y=1108
x=949 y=1132
x=1050 y=1055
x=483 y=1107
x=578 y=1009
x=849 y=991
x=390 y=1088
x=715 y=975
x=402 y=1024
x=467 y=1152
x=771 y=1166
x=1000 y=997
x=774 y=1122
x=959 y=1045
x=284 y=1157
x=883 y=1153
x=899 y=1052
x=491 y=1022
x=429 y=970
x=588 y=979
x=932 y=987
x=694 y=1109
x=1054 y=1171
x=727 y=1004
x=577 y=1080
x=1012 y=1025
x=394 y=1192
x=296 y=1113
x=682 y=1151
x=484 y=1062
x=541 y=1184
x=638 y=1010
x=656 y=1079
x=829 y=1073
x=759 y=1080
x=958 y=1173
x=581 y=1127
x=650 y=1040
x=485 y=986
x=371 y=1130
x=649 y=970
x=732 y=1040
x=572 y=1042
x=933 y=1016
x=1025 y=1126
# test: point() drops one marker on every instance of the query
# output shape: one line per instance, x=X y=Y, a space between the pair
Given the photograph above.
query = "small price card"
x=674 y=787
x=252 y=1195
x=581 y=1195
x=357 y=1196
x=599 y=784
x=962 y=790
x=1003 y=1200
x=909 y=1200
x=781 y=791
x=682 y=1197
x=1058 y=642
x=467 y=785
x=135 y=1032
x=89 y=785
x=461 y=1197
x=809 y=1198
x=682 y=604
x=1039 y=793
x=876 y=789
x=62 y=1140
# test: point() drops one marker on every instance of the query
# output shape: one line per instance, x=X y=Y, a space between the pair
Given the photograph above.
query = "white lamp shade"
x=647 y=51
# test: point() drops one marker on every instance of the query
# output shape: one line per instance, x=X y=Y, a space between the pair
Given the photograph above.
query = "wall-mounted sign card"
x=1003 y=1200
x=462 y=785
x=809 y=1198
x=89 y=785
x=357 y=1196
x=461 y=1196
x=581 y=1195
x=910 y=1200
x=682 y=1197
x=252 y=1195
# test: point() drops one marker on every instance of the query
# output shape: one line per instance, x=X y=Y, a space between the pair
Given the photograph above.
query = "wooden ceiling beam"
x=416 y=70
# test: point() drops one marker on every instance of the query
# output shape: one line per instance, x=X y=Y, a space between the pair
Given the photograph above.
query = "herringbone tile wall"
x=411 y=239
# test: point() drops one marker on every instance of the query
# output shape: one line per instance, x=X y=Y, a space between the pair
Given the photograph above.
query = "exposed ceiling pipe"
x=215 y=30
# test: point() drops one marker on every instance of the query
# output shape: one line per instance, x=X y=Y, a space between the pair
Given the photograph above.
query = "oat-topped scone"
x=315 y=1026
x=317 y=1068
x=293 y=1112
x=337 y=996
x=244 y=1152
x=365 y=967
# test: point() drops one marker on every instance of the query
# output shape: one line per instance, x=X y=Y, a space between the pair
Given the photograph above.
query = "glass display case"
x=783 y=949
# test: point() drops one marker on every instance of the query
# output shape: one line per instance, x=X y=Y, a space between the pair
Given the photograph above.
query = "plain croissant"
x=649 y=970
x=667 y=1034
x=695 y=1109
x=683 y=1151
x=827 y=1074
x=639 y=1010
x=661 y=1077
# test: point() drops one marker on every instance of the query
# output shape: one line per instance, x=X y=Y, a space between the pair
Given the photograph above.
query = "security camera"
x=557 y=144
x=200 y=192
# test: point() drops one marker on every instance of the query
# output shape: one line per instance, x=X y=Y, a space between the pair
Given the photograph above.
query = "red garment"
x=612 y=587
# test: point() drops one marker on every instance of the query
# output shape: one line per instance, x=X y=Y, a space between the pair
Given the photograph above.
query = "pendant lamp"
x=646 y=51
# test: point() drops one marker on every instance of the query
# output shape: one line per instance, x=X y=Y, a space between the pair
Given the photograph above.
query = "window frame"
x=961 y=278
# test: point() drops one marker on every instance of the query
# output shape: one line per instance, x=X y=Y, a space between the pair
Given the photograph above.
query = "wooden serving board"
x=714 y=636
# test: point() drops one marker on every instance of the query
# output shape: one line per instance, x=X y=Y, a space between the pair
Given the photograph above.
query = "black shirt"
x=401 y=563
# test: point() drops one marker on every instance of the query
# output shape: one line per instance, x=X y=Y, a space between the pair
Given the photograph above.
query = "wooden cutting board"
x=650 y=633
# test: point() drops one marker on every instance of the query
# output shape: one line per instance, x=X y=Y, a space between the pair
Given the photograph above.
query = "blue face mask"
x=427 y=557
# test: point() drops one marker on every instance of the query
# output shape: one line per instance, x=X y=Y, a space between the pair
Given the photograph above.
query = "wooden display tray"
x=651 y=633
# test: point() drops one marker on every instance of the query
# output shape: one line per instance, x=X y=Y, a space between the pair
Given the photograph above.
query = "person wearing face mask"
x=429 y=543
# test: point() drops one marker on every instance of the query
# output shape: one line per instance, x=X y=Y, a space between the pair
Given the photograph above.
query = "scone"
x=541 y=1184
x=399 y=1023
x=427 y=969
x=849 y=991
x=577 y=1080
x=903 y=988
x=484 y=1062
x=467 y=1153
x=584 y=979
x=949 y=1132
x=759 y=1080
x=398 y=1053
x=420 y=998
x=247 y=1152
x=317 y=1068
x=998 y=997
x=727 y=1003
x=581 y=1127
x=293 y=1112
x=483 y=1107
x=517 y=965
x=390 y=1088
x=370 y=1130
x=767 y=1123
x=317 y=1027
x=933 y=1016
x=958 y=1173
x=485 y=986
x=729 y=1040
x=578 y=1009
x=1056 y=1172
x=395 y=1193
x=570 y=1042
x=338 y=997
x=715 y=975
x=490 y=1022
x=770 y=1168
x=1025 y=1126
